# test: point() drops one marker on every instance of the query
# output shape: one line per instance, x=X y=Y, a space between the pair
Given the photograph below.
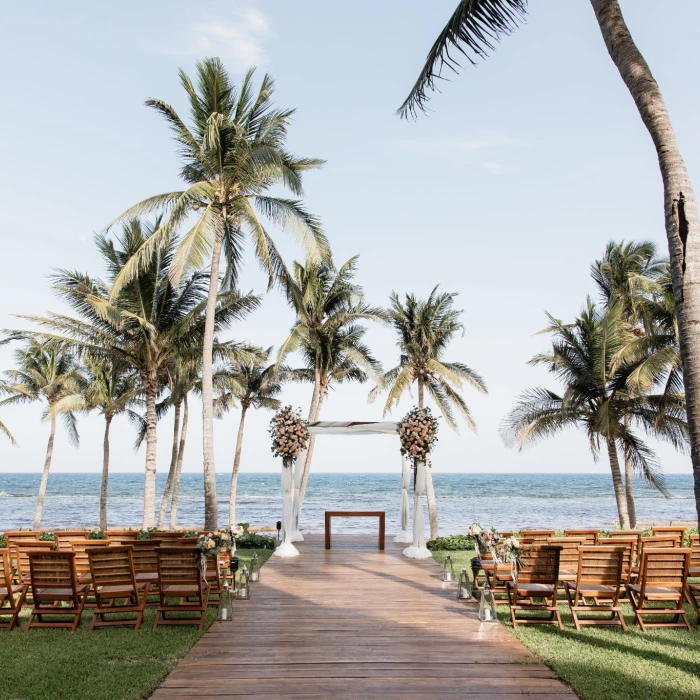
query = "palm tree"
x=49 y=375
x=425 y=330
x=6 y=431
x=328 y=305
x=146 y=326
x=111 y=389
x=232 y=155
x=474 y=29
x=596 y=398
x=252 y=384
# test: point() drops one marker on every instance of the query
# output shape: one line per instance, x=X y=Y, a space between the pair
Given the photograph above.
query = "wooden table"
x=356 y=514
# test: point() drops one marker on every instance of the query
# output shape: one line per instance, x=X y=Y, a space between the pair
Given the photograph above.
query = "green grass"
x=112 y=663
x=600 y=663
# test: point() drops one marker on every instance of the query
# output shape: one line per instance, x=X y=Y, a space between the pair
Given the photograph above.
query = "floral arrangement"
x=418 y=434
x=290 y=434
x=508 y=550
x=214 y=542
x=485 y=539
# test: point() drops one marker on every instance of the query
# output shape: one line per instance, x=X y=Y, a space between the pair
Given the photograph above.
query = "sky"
x=525 y=167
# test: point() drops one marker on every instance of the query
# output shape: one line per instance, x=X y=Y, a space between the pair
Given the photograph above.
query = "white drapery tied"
x=418 y=550
x=287 y=549
x=296 y=535
x=404 y=535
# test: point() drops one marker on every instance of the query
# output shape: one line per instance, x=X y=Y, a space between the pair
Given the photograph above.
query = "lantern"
x=254 y=567
x=225 y=613
x=464 y=589
x=233 y=568
x=448 y=570
x=279 y=527
x=243 y=590
x=487 y=605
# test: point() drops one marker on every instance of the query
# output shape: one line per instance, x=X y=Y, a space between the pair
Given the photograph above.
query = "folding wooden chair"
x=537 y=577
x=65 y=539
x=568 y=559
x=82 y=562
x=169 y=538
x=120 y=537
x=14 y=536
x=21 y=550
x=145 y=561
x=670 y=531
x=12 y=595
x=654 y=542
x=599 y=577
x=55 y=589
x=115 y=588
x=187 y=541
x=183 y=590
x=590 y=537
x=536 y=536
x=213 y=577
x=694 y=571
x=620 y=533
x=662 y=576
x=692 y=589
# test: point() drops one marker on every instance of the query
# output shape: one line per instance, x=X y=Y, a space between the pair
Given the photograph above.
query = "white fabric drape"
x=404 y=535
x=296 y=535
x=287 y=549
x=418 y=550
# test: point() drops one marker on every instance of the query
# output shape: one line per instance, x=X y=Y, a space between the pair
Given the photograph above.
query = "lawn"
x=112 y=663
x=600 y=663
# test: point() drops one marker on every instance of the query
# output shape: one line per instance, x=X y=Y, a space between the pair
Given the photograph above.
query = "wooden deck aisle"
x=354 y=622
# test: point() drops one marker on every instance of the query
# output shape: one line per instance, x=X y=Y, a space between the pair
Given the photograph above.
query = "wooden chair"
x=537 y=536
x=666 y=531
x=115 y=588
x=599 y=577
x=168 y=537
x=537 y=578
x=622 y=533
x=692 y=589
x=14 y=536
x=55 y=589
x=214 y=578
x=694 y=571
x=21 y=550
x=145 y=561
x=652 y=543
x=12 y=595
x=182 y=588
x=590 y=537
x=568 y=559
x=82 y=561
x=65 y=539
x=629 y=559
x=187 y=541
x=120 y=537
x=662 y=576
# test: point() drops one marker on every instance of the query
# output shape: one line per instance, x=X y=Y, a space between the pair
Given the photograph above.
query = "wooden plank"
x=355 y=514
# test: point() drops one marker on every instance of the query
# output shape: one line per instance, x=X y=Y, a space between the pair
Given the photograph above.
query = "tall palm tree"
x=328 y=305
x=425 y=328
x=49 y=375
x=233 y=154
x=146 y=326
x=252 y=384
x=474 y=29
x=6 y=432
x=596 y=398
x=111 y=388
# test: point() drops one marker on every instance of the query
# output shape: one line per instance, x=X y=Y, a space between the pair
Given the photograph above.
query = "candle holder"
x=254 y=568
x=464 y=587
x=225 y=612
x=448 y=569
x=487 y=605
x=243 y=590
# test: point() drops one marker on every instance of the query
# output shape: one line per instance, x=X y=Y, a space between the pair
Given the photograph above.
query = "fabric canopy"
x=353 y=428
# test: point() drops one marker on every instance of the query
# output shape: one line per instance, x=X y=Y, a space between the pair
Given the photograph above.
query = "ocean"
x=504 y=501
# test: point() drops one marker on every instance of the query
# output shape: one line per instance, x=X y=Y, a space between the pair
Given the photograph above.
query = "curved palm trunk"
x=629 y=492
x=171 y=472
x=618 y=486
x=149 y=487
x=236 y=466
x=105 y=475
x=45 y=475
x=210 y=509
x=310 y=450
x=429 y=488
x=178 y=467
x=681 y=215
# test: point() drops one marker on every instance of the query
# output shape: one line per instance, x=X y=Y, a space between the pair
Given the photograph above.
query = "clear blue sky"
x=505 y=193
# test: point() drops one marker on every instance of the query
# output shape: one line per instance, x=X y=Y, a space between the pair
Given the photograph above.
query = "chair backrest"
x=666 y=531
x=537 y=536
x=188 y=541
x=121 y=536
x=168 y=536
x=65 y=539
x=631 y=545
x=179 y=565
x=53 y=570
x=539 y=564
x=655 y=543
x=111 y=566
x=505 y=533
x=13 y=536
x=82 y=563
x=568 y=559
x=665 y=567
x=695 y=551
x=601 y=566
x=144 y=556
x=6 y=575
x=624 y=533
x=21 y=551
x=590 y=537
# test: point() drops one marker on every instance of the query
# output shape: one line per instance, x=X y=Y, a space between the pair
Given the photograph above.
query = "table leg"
x=328 y=531
x=381 y=531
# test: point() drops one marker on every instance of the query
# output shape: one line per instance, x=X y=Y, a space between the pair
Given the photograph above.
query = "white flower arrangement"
x=418 y=434
x=290 y=434
x=214 y=542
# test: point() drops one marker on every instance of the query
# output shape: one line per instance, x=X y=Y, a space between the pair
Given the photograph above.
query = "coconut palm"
x=473 y=30
x=146 y=326
x=596 y=399
x=111 y=389
x=51 y=376
x=6 y=432
x=425 y=328
x=233 y=154
x=252 y=384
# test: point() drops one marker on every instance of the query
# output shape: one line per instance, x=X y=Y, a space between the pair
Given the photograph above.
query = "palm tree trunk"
x=210 y=506
x=45 y=475
x=618 y=486
x=178 y=468
x=681 y=215
x=236 y=467
x=629 y=492
x=171 y=472
x=105 y=475
x=429 y=488
x=149 y=487
x=310 y=450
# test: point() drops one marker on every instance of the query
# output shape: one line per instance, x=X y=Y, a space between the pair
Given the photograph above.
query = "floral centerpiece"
x=508 y=550
x=418 y=434
x=213 y=542
x=485 y=539
x=290 y=434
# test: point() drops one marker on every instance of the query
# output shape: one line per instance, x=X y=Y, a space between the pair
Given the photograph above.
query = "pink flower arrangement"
x=290 y=434
x=418 y=434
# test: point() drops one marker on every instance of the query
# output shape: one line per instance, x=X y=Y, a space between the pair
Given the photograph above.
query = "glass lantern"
x=464 y=589
x=243 y=590
x=448 y=569
x=254 y=567
x=487 y=604
x=225 y=613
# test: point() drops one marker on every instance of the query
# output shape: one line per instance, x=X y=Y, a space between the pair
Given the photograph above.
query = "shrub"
x=3 y=542
x=453 y=543
x=251 y=540
x=47 y=537
x=96 y=535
